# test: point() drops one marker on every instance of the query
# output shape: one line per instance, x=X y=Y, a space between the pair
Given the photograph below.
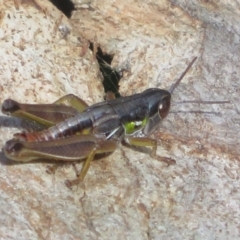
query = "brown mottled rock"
x=127 y=195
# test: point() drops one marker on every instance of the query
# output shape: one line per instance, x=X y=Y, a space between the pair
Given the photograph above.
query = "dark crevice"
x=111 y=77
x=65 y=6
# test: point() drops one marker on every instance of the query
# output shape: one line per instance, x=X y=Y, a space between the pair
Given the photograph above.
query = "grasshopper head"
x=159 y=102
x=164 y=105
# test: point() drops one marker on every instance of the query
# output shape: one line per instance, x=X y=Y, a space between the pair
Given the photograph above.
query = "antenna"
x=172 y=88
x=202 y=102
x=181 y=77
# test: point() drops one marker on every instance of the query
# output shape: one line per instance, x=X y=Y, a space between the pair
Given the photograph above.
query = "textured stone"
x=128 y=195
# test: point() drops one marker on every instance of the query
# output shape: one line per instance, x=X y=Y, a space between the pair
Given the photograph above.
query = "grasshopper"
x=74 y=131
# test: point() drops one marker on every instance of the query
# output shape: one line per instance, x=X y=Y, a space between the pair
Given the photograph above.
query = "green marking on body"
x=132 y=127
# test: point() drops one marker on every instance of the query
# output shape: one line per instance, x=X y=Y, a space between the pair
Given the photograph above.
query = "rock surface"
x=127 y=195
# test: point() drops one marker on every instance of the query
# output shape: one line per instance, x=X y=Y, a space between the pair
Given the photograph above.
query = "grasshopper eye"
x=164 y=107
